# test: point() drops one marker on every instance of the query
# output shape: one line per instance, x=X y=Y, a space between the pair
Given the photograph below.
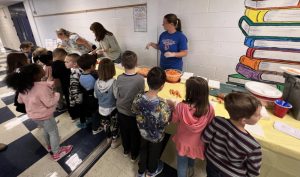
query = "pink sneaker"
x=64 y=150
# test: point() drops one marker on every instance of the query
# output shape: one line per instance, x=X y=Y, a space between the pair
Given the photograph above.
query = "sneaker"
x=63 y=109
x=158 y=170
x=115 y=143
x=126 y=153
x=141 y=174
x=100 y=129
x=190 y=171
x=81 y=125
x=64 y=150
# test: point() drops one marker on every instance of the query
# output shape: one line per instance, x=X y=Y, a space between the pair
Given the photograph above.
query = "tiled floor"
x=26 y=154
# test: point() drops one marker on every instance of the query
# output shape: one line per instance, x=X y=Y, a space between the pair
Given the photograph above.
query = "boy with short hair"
x=128 y=85
x=61 y=76
x=26 y=48
x=152 y=115
x=75 y=91
x=230 y=149
x=87 y=80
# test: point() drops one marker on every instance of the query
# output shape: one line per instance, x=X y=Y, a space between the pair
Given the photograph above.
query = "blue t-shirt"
x=174 y=42
x=87 y=81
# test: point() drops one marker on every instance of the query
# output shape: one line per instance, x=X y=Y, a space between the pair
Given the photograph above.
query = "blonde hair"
x=64 y=31
x=39 y=51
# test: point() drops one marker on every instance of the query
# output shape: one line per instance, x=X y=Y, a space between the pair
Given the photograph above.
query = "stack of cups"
x=281 y=108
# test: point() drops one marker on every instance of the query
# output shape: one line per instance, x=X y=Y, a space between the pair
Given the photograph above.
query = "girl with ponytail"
x=191 y=116
x=172 y=43
x=40 y=103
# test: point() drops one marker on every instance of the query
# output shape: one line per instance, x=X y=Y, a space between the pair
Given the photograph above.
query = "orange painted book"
x=267 y=64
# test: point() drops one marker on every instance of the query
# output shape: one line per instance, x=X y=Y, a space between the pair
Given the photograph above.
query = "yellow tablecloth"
x=281 y=152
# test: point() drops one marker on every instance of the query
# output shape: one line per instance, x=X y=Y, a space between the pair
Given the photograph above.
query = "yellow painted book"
x=274 y=15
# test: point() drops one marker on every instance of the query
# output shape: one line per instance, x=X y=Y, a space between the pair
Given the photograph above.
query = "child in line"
x=192 y=116
x=61 y=77
x=75 y=90
x=152 y=116
x=40 y=103
x=103 y=91
x=87 y=80
x=13 y=62
x=45 y=58
x=26 y=47
x=129 y=84
x=230 y=149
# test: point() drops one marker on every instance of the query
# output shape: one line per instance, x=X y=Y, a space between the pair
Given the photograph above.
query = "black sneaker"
x=61 y=109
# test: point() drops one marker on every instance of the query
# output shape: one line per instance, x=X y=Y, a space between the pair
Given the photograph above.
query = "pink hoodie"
x=40 y=102
x=189 y=130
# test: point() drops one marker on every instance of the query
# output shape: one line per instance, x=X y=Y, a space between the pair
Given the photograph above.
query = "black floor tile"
x=2 y=72
x=20 y=155
x=2 y=84
x=5 y=114
x=30 y=124
x=9 y=99
x=84 y=142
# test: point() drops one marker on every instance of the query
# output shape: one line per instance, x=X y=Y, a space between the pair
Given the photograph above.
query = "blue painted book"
x=269 y=43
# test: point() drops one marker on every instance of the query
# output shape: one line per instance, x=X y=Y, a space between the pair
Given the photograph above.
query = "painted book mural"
x=272 y=35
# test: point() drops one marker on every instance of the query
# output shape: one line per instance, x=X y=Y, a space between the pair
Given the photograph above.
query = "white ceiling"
x=8 y=2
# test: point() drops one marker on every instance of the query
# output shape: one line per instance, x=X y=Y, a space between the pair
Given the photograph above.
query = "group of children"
x=123 y=106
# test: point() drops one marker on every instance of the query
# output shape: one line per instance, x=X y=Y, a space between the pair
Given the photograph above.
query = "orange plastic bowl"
x=173 y=75
x=143 y=71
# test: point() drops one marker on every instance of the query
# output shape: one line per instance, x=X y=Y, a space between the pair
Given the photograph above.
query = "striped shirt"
x=233 y=152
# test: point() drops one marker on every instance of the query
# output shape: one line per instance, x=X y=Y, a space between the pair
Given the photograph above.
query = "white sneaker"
x=115 y=143
x=100 y=129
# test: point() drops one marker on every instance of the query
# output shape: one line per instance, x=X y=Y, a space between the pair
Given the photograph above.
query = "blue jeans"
x=183 y=163
x=50 y=133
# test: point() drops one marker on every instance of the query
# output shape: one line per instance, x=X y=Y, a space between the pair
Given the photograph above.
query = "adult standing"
x=172 y=43
x=72 y=42
x=108 y=44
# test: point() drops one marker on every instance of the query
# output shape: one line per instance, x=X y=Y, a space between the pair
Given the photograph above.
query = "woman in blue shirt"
x=172 y=43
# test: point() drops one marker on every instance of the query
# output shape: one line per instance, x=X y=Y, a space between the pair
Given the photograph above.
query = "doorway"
x=21 y=23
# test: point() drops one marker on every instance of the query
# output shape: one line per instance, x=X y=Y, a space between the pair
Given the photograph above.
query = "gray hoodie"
x=103 y=91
